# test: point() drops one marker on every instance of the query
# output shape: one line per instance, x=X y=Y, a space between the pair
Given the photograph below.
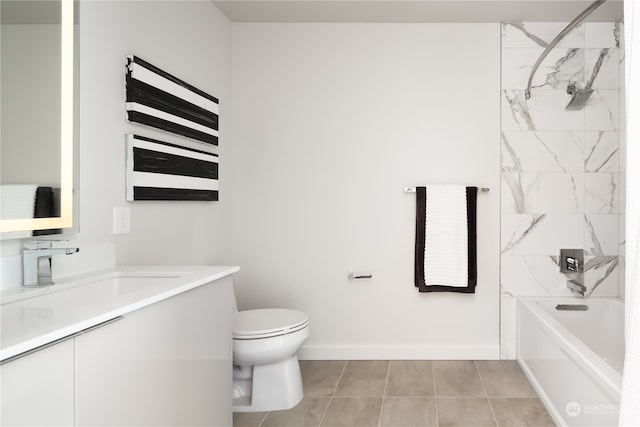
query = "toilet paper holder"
x=353 y=276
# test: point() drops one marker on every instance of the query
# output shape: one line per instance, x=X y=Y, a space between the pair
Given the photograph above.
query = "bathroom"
x=322 y=126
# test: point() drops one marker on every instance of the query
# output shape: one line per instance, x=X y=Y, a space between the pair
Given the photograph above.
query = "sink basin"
x=126 y=284
x=96 y=287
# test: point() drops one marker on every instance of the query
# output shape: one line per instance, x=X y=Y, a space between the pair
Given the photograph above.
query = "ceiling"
x=417 y=11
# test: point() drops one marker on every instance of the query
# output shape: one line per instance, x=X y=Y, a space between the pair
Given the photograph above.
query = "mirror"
x=37 y=117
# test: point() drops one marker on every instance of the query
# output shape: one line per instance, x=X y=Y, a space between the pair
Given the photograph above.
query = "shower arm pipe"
x=578 y=19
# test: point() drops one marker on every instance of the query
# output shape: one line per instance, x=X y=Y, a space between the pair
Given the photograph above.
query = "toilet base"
x=271 y=387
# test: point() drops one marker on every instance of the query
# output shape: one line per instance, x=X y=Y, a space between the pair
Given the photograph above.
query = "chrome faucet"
x=571 y=263
x=36 y=262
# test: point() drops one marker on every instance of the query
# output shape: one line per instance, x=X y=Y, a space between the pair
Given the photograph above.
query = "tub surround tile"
x=601 y=196
x=545 y=111
x=556 y=71
x=622 y=193
x=602 y=111
x=540 y=34
x=520 y=412
x=551 y=193
x=623 y=150
x=621 y=275
x=602 y=68
x=563 y=180
x=603 y=34
x=601 y=275
x=602 y=151
x=601 y=234
x=507 y=316
x=531 y=151
x=409 y=412
x=532 y=275
x=540 y=234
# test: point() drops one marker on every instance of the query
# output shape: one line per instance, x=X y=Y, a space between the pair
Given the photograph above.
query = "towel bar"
x=413 y=189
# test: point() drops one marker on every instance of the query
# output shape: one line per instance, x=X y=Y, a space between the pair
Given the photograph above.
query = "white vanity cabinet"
x=167 y=364
x=36 y=388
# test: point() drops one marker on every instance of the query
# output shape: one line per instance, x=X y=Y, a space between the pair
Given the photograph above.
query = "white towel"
x=17 y=201
x=446 y=236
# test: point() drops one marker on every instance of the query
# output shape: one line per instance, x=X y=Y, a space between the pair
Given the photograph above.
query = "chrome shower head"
x=580 y=97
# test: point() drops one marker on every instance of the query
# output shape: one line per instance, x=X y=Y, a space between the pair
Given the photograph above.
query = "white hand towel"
x=446 y=236
x=17 y=201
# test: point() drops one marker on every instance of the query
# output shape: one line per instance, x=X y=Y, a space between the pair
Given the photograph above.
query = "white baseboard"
x=399 y=352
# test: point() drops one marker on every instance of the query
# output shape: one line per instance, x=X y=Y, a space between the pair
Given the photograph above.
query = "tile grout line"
x=344 y=368
x=435 y=396
x=486 y=395
x=264 y=418
x=384 y=393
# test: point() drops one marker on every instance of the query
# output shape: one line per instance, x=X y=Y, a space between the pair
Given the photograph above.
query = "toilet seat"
x=267 y=322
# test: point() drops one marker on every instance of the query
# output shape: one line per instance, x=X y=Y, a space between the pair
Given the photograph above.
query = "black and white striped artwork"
x=158 y=99
x=158 y=170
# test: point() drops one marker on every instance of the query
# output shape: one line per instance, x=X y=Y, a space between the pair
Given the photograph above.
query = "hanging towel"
x=17 y=200
x=445 y=247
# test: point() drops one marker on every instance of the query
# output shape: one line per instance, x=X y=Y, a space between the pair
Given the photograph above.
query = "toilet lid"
x=267 y=322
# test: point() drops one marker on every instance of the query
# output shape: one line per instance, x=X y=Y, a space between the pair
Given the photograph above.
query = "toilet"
x=266 y=372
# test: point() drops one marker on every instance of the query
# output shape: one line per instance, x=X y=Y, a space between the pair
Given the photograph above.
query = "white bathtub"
x=574 y=359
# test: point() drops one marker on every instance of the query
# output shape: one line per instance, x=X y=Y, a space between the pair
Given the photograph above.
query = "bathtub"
x=573 y=359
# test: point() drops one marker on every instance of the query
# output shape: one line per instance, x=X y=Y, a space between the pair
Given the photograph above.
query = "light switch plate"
x=121 y=220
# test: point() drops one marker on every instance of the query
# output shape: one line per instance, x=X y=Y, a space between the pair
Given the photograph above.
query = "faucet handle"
x=41 y=244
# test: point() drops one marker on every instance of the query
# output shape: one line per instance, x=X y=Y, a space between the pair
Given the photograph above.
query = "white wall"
x=330 y=122
x=191 y=40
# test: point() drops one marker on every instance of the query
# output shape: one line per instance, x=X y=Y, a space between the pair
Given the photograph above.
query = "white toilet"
x=266 y=373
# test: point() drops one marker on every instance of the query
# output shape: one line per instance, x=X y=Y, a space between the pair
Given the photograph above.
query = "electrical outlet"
x=121 y=220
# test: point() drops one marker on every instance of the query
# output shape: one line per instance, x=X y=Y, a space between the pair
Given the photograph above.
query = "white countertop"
x=32 y=317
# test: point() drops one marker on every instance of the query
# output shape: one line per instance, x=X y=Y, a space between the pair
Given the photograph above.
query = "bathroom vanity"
x=129 y=346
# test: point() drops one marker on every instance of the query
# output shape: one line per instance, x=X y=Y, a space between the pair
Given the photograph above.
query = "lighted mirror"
x=37 y=117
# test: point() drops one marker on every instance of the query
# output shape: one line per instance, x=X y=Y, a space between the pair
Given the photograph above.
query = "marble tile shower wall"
x=562 y=170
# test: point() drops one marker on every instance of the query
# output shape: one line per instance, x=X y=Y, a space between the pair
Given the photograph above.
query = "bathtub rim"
x=594 y=367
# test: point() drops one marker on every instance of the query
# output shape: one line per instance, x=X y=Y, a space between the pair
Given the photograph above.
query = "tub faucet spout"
x=36 y=262
x=575 y=286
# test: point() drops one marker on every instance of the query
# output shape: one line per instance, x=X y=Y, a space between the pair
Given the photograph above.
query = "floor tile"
x=363 y=378
x=410 y=378
x=409 y=412
x=353 y=412
x=308 y=412
x=464 y=412
x=520 y=412
x=504 y=378
x=248 y=419
x=320 y=377
x=457 y=378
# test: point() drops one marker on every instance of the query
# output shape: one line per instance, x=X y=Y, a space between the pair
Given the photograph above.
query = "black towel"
x=45 y=207
x=421 y=206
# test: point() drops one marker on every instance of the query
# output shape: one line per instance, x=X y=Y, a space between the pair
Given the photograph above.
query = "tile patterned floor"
x=401 y=393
